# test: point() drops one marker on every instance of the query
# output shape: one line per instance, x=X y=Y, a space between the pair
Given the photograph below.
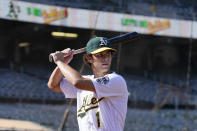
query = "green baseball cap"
x=98 y=44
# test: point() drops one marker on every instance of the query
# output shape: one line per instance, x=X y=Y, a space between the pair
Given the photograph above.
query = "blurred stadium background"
x=159 y=67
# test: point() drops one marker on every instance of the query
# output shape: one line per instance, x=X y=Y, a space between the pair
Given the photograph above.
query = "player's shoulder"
x=111 y=76
x=116 y=76
x=118 y=80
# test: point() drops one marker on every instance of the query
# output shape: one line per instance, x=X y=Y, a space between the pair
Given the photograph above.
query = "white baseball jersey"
x=104 y=110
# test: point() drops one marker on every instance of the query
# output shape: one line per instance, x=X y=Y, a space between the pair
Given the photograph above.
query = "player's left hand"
x=68 y=55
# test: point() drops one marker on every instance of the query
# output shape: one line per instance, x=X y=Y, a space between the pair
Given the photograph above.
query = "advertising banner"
x=89 y=19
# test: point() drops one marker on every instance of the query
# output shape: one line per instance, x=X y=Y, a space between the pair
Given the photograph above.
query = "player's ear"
x=87 y=59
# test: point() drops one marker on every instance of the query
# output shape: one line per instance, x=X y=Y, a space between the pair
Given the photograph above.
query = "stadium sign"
x=49 y=16
x=89 y=19
x=153 y=27
x=14 y=10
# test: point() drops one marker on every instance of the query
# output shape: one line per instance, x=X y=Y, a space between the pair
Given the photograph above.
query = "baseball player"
x=101 y=97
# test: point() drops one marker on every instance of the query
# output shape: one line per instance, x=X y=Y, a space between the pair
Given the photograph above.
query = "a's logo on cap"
x=103 y=42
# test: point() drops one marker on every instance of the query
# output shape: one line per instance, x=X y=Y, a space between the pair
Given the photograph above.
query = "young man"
x=101 y=97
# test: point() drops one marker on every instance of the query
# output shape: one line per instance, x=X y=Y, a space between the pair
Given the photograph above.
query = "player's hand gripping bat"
x=113 y=41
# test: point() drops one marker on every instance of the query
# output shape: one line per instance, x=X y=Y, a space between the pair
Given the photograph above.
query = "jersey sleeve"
x=68 y=89
x=110 y=85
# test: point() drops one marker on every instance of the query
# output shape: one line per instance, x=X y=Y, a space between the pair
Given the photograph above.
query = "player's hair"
x=85 y=60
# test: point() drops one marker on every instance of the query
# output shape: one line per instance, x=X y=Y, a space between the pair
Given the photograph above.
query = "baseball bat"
x=113 y=41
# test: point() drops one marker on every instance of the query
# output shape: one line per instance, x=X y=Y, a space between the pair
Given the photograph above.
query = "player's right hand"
x=57 y=56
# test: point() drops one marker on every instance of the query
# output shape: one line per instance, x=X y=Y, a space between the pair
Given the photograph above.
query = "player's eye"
x=103 y=55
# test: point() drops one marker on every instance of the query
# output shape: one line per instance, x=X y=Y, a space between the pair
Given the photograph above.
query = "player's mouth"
x=105 y=65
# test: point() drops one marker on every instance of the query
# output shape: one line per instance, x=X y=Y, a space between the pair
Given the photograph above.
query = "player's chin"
x=105 y=68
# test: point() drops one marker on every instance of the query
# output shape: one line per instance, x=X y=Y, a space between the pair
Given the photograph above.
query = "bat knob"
x=51 y=58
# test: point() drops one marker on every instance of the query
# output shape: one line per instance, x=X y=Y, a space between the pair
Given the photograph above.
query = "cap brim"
x=103 y=49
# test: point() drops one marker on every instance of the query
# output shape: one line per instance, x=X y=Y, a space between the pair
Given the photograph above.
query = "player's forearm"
x=55 y=79
x=68 y=72
x=75 y=77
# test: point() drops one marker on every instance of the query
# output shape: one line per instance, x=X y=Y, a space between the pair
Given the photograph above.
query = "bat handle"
x=51 y=58
x=81 y=50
